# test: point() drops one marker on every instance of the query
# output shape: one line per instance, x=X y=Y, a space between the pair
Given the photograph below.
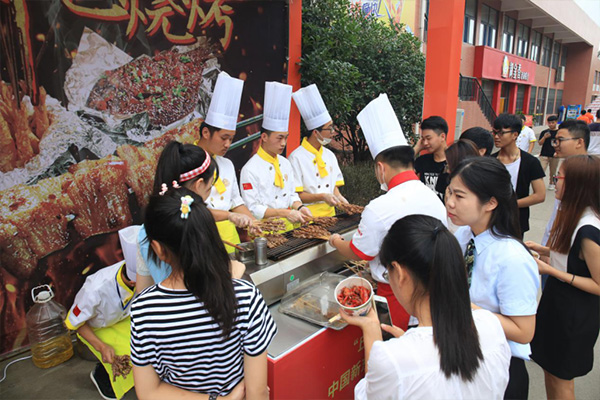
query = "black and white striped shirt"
x=172 y=331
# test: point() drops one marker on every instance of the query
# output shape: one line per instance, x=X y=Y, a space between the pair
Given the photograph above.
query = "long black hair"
x=487 y=177
x=178 y=158
x=198 y=250
x=434 y=260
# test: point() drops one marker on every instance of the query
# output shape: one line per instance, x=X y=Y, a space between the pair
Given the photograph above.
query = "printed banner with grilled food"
x=90 y=93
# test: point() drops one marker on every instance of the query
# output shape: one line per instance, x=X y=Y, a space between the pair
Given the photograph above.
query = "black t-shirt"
x=547 y=149
x=529 y=171
x=429 y=171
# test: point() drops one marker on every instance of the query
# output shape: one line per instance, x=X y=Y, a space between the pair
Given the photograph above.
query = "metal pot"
x=247 y=254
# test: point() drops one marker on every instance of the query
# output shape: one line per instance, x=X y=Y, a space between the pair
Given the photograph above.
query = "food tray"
x=314 y=301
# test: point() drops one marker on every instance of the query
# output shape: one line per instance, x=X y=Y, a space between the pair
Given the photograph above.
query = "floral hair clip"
x=163 y=189
x=186 y=202
x=176 y=185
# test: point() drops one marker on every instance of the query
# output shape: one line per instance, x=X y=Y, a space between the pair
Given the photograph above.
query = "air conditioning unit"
x=560 y=74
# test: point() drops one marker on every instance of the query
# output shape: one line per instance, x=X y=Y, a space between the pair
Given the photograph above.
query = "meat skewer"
x=311 y=232
x=350 y=209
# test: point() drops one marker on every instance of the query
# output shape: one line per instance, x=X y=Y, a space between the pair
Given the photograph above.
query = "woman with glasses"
x=502 y=273
x=525 y=170
x=568 y=321
x=316 y=168
x=455 y=352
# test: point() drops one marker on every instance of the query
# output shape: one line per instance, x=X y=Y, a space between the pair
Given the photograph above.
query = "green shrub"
x=360 y=183
x=352 y=59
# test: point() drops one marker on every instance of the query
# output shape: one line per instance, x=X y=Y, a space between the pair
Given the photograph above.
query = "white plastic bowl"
x=363 y=309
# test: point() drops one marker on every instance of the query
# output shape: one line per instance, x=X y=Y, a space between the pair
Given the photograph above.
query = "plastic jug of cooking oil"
x=48 y=335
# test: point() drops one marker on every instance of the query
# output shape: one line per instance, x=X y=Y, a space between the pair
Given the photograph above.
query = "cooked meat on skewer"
x=325 y=222
x=274 y=240
x=311 y=232
x=350 y=209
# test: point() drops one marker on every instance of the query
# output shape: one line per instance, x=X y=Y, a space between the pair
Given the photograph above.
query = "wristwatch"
x=213 y=396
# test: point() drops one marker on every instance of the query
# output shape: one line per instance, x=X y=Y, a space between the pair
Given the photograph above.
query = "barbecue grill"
x=298 y=259
x=295 y=245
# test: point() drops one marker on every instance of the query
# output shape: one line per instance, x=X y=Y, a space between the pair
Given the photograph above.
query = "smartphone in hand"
x=383 y=313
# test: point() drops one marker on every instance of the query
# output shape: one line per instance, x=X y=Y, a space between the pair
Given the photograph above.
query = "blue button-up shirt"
x=505 y=278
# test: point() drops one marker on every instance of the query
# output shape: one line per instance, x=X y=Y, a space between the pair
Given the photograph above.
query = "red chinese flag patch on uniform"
x=247 y=186
x=76 y=311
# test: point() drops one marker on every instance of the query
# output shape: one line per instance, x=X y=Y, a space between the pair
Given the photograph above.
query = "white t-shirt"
x=513 y=170
x=525 y=138
x=409 y=367
x=407 y=195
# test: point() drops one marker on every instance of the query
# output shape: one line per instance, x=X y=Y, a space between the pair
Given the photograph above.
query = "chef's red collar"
x=401 y=178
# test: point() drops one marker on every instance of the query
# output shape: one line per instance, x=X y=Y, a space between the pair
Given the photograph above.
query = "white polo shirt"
x=103 y=300
x=406 y=195
x=257 y=185
x=307 y=173
x=505 y=278
x=230 y=198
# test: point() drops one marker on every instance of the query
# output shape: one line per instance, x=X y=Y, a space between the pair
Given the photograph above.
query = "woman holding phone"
x=455 y=352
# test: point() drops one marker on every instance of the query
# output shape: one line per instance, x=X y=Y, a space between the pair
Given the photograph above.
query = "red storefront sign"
x=500 y=66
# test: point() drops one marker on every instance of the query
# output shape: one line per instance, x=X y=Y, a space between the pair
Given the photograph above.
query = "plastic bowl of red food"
x=354 y=295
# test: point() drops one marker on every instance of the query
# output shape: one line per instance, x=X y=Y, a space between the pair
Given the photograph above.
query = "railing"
x=470 y=90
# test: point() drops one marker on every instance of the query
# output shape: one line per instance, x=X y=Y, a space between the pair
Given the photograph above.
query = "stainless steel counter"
x=275 y=279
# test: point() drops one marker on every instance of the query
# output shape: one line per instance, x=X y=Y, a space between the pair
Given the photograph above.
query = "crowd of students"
x=444 y=243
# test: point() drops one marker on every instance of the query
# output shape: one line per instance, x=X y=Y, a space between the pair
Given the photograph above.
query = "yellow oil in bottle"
x=52 y=351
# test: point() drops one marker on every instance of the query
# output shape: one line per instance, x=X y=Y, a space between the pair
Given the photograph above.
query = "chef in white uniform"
x=216 y=135
x=100 y=314
x=406 y=195
x=267 y=180
x=316 y=167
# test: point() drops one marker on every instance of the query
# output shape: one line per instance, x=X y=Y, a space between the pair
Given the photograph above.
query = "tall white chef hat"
x=128 y=238
x=312 y=107
x=225 y=103
x=380 y=126
x=276 y=111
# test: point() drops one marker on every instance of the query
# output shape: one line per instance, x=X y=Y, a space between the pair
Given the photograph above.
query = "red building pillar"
x=512 y=98
x=527 y=99
x=295 y=52
x=496 y=96
x=442 y=64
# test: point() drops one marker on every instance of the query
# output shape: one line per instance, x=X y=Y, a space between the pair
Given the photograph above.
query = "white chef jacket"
x=408 y=367
x=406 y=195
x=525 y=138
x=505 y=278
x=257 y=185
x=231 y=197
x=103 y=300
x=307 y=172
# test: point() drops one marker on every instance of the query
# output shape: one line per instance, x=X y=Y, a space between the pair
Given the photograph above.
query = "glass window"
x=523 y=40
x=532 y=100
x=508 y=35
x=488 y=26
x=536 y=43
x=546 y=49
x=563 y=57
x=555 y=55
x=541 y=98
x=520 y=97
x=469 y=26
x=550 y=105
x=558 y=99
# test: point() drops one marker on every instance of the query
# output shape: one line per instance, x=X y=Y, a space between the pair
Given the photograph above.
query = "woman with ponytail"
x=454 y=353
x=501 y=271
x=199 y=330
x=179 y=165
